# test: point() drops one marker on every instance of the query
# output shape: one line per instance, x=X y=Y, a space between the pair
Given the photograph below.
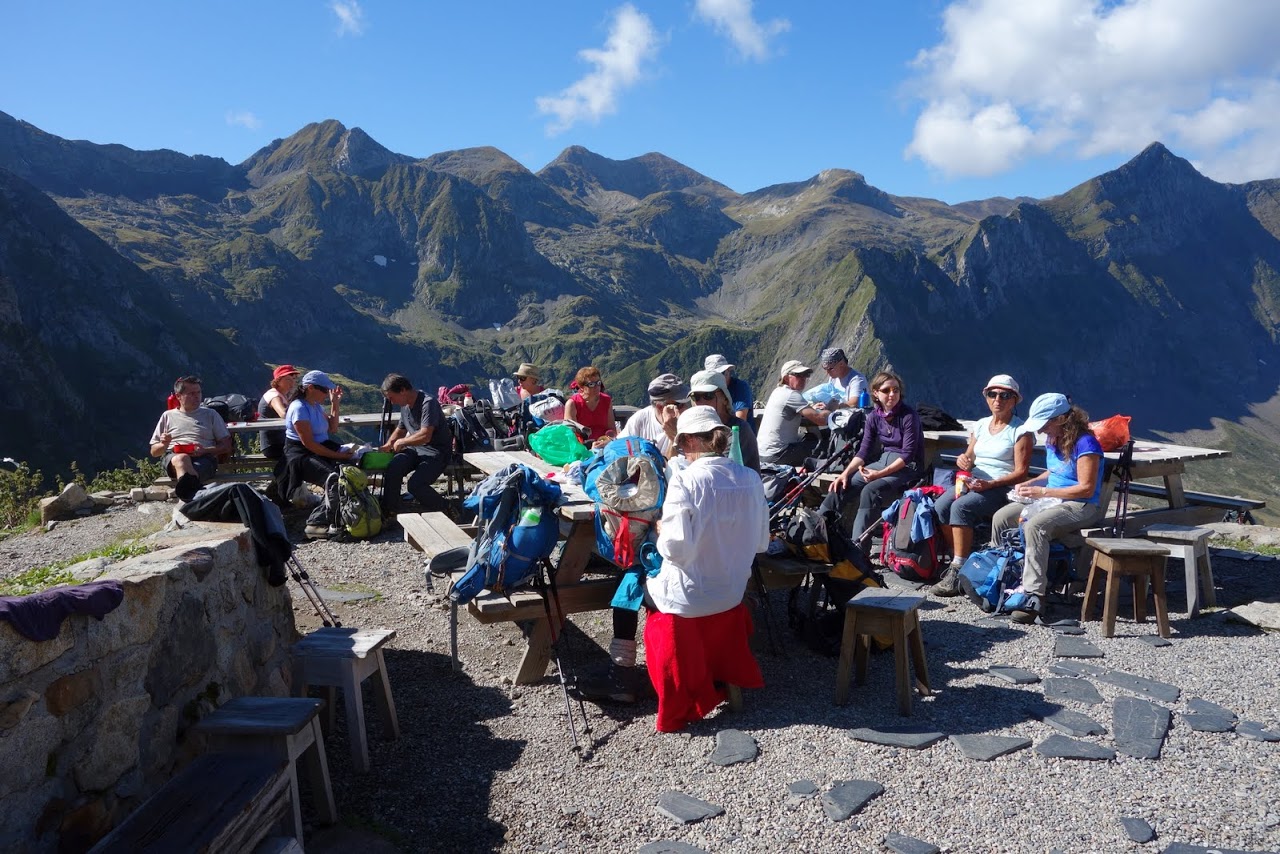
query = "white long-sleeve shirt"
x=714 y=522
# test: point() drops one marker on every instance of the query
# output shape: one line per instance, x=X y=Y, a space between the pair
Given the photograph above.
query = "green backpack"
x=351 y=507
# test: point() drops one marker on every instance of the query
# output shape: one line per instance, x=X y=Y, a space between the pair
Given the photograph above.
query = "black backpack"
x=933 y=418
x=233 y=407
x=469 y=434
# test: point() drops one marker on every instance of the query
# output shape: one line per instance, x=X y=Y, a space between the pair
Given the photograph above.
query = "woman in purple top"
x=895 y=428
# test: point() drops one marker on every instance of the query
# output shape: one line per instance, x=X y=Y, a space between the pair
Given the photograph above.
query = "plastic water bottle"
x=864 y=400
x=735 y=446
x=531 y=517
x=467 y=400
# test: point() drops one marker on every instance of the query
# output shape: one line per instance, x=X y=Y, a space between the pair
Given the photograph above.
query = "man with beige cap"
x=737 y=389
x=786 y=411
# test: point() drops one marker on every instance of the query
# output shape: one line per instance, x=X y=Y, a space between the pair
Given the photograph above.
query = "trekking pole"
x=555 y=648
x=843 y=456
x=301 y=576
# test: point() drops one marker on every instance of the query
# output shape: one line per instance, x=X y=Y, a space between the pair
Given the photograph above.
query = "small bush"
x=20 y=493
x=141 y=472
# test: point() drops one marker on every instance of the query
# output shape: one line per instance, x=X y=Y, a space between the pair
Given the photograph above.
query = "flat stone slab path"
x=911 y=738
x=685 y=809
x=984 y=748
x=846 y=797
x=1139 y=727
x=1072 y=688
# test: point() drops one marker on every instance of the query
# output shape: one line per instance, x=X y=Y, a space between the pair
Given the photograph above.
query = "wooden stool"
x=1192 y=545
x=344 y=658
x=883 y=612
x=283 y=727
x=1142 y=560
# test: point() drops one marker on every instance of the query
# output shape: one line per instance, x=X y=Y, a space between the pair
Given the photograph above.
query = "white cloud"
x=1012 y=79
x=350 y=17
x=733 y=18
x=244 y=119
x=632 y=41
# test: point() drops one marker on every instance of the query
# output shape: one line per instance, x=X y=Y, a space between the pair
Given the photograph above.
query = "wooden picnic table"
x=355 y=419
x=574 y=594
x=1151 y=459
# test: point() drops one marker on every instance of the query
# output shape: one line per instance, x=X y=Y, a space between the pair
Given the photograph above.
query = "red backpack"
x=911 y=559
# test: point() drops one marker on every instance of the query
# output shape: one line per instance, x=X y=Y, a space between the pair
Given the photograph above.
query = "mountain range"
x=1149 y=290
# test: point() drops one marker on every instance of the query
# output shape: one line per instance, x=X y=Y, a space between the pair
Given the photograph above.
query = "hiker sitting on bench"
x=1073 y=459
x=528 y=382
x=190 y=439
x=714 y=522
x=784 y=413
x=896 y=427
x=422 y=443
x=310 y=455
x=708 y=388
x=998 y=456
x=274 y=403
x=739 y=390
x=844 y=379
x=591 y=407
x=657 y=421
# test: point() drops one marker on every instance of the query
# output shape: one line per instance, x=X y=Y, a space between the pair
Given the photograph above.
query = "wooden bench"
x=434 y=533
x=1231 y=503
x=287 y=728
x=220 y=802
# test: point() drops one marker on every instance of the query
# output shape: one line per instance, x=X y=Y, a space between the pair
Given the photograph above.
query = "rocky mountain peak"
x=582 y=172
x=322 y=147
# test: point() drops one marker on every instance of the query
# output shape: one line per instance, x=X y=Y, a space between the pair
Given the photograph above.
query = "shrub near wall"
x=93 y=721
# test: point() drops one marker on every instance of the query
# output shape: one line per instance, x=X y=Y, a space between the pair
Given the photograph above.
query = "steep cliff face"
x=89 y=344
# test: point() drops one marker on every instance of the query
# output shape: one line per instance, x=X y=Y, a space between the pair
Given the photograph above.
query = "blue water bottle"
x=864 y=400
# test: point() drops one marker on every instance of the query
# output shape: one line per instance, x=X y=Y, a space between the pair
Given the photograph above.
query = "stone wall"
x=94 y=721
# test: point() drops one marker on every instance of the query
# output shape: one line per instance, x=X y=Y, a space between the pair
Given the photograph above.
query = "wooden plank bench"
x=220 y=802
x=434 y=533
x=1231 y=503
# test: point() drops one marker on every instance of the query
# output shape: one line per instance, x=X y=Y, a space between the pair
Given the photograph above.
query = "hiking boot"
x=1026 y=610
x=949 y=584
x=618 y=685
x=316 y=532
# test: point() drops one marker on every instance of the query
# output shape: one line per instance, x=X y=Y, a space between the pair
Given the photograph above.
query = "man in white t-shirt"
x=190 y=439
x=779 y=437
x=847 y=382
x=667 y=393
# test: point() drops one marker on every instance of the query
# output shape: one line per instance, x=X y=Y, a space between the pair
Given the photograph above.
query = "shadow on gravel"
x=429 y=790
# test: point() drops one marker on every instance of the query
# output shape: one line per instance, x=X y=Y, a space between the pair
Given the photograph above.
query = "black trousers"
x=422 y=464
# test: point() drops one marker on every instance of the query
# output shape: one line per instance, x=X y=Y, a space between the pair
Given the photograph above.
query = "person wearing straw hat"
x=528 y=380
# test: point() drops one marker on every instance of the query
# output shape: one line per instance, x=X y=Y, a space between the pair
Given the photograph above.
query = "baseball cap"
x=283 y=371
x=794 y=367
x=1044 y=408
x=318 y=378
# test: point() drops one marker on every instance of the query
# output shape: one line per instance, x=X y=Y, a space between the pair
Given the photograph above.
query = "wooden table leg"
x=917 y=657
x=353 y=698
x=315 y=765
x=902 y=670
x=1140 y=598
x=1161 y=601
x=845 y=668
x=1111 y=602
x=384 y=701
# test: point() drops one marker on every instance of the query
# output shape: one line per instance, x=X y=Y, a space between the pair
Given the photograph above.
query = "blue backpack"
x=988 y=576
x=516 y=514
x=627 y=479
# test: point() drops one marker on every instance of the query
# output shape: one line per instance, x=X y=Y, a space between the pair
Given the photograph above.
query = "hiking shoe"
x=1026 y=610
x=949 y=584
x=186 y=487
x=316 y=532
x=618 y=685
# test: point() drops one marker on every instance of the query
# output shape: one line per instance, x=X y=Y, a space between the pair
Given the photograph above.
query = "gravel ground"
x=485 y=766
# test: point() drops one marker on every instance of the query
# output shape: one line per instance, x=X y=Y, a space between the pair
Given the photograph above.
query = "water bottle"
x=735 y=446
x=467 y=400
x=864 y=400
x=531 y=517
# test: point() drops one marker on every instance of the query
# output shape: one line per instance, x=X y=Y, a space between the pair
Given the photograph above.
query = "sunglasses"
x=702 y=395
x=591 y=384
x=890 y=389
x=992 y=394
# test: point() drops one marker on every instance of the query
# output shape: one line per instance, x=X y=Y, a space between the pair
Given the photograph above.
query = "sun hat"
x=1004 y=381
x=794 y=367
x=707 y=382
x=831 y=355
x=528 y=371
x=1043 y=409
x=697 y=419
x=319 y=379
x=716 y=362
x=667 y=387
x=284 y=371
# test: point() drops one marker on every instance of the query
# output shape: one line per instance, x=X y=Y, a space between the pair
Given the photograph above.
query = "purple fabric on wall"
x=40 y=615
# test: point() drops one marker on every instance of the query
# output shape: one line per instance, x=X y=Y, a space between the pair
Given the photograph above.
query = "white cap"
x=697 y=419
x=794 y=367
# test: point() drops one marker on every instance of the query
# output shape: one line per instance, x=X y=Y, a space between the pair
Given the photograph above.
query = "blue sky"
x=954 y=100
